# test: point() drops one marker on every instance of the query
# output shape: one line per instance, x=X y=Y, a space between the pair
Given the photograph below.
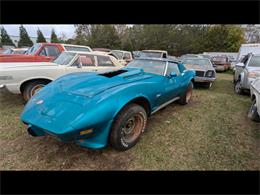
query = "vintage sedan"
x=205 y=73
x=28 y=78
x=221 y=63
x=95 y=110
x=254 y=111
x=42 y=52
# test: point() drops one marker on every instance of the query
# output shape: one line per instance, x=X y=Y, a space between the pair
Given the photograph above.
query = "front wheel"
x=185 y=99
x=128 y=127
x=32 y=88
x=238 y=87
x=252 y=114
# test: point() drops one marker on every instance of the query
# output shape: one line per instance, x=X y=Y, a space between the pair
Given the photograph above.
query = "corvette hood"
x=91 y=84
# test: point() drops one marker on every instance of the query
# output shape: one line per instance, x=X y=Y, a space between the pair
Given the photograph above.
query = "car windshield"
x=8 y=51
x=200 y=62
x=118 y=54
x=33 y=49
x=255 y=61
x=64 y=58
x=151 y=54
x=219 y=59
x=150 y=66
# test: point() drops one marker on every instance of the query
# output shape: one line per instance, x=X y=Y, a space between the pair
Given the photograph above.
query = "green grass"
x=211 y=133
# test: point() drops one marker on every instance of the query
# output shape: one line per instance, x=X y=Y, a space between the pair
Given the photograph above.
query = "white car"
x=254 y=112
x=28 y=77
x=154 y=53
x=124 y=57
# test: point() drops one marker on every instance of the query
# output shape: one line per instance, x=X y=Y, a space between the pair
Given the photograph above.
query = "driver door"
x=172 y=85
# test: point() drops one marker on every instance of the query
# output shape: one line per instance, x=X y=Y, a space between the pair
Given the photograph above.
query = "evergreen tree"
x=40 y=37
x=104 y=36
x=54 y=38
x=24 y=38
x=5 y=39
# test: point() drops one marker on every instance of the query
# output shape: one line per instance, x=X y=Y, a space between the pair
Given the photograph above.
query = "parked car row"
x=246 y=79
x=104 y=97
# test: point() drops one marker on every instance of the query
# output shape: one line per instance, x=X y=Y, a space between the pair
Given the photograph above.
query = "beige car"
x=29 y=77
x=205 y=73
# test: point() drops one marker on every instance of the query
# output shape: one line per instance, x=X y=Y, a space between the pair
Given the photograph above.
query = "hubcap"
x=133 y=128
x=36 y=88
x=238 y=86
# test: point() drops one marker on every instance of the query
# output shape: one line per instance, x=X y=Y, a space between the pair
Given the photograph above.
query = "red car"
x=42 y=52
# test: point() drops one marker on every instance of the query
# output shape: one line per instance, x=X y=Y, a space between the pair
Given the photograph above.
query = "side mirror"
x=173 y=74
x=240 y=64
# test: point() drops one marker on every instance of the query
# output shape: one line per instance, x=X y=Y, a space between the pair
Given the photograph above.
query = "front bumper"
x=220 y=68
x=97 y=139
x=204 y=79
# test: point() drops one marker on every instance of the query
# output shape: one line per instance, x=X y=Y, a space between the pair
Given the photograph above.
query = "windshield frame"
x=72 y=59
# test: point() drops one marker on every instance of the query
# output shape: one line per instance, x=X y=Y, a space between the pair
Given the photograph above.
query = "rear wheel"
x=238 y=88
x=185 y=99
x=128 y=127
x=252 y=114
x=32 y=88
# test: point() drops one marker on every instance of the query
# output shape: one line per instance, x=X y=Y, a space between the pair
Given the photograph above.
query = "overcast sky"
x=68 y=30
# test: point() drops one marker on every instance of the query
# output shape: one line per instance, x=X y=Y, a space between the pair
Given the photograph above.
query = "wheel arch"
x=24 y=83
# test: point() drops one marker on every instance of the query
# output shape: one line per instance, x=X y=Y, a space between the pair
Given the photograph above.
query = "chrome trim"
x=165 y=104
x=166 y=68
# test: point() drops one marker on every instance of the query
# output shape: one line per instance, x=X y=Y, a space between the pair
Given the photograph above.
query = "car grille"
x=200 y=73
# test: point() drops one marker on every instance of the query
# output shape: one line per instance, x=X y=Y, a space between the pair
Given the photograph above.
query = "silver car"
x=246 y=72
x=254 y=111
x=205 y=72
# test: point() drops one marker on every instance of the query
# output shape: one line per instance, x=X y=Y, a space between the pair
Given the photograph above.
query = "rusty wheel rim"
x=36 y=88
x=133 y=128
x=189 y=94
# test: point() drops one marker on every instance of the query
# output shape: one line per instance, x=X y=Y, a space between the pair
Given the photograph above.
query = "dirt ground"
x=211 y=133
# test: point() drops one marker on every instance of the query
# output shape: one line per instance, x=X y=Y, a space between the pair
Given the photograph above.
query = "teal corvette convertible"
x=94 y=110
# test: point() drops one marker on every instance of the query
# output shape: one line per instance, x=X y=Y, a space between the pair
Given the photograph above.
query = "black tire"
x=31 y=88
x=252 y=114
x=208 y=85
x=185 y=99
x=237 y=87
x=134 y=115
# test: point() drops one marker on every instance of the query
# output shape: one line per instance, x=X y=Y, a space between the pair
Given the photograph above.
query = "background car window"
x=87 y=60
x=173 y=67
x=104 y=61
x=254 y=61
x=127 y=56
x=50 y=51
x=118 y=54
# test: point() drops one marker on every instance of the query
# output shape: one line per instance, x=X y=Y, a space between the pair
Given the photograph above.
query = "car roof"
x=120 y=50
x=196 y=59
x=154 y=50
x=158 y=59
x=75 y=45
x=89 y=53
